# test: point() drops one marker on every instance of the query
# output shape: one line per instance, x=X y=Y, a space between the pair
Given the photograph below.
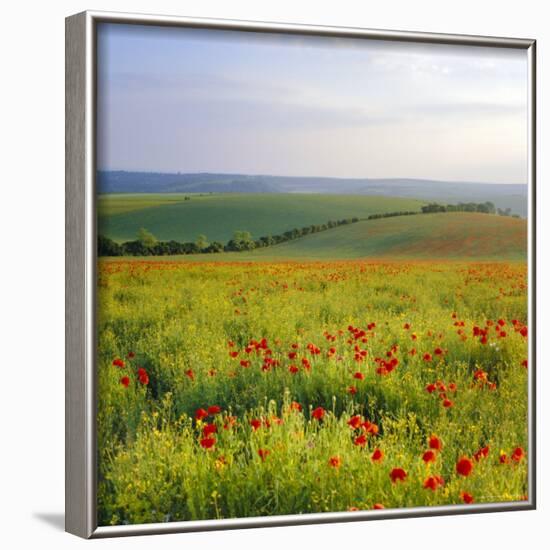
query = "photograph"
x=313 y=275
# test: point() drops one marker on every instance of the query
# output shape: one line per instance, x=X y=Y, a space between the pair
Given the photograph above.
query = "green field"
x=217 y=216
x=446 y=236
x=261 y=389
x=426 y=236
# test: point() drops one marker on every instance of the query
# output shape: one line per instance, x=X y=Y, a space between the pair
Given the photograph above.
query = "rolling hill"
x=461 y=235
x=170 y=216
x=512 y=196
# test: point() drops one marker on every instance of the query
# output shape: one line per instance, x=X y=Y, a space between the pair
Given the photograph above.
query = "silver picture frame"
x=80 y=272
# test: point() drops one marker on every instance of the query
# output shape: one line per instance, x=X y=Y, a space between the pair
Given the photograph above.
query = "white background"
x=32 y=271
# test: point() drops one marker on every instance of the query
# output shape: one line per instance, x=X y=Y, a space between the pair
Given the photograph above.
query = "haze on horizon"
x=190 y=100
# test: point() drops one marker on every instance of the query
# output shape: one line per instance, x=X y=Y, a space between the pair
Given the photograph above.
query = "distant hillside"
x=170 y=216
x=512 y=196
x=458 y=235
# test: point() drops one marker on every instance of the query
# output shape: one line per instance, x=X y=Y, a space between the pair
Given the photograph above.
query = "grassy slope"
x=454 y=236
x=218 y=216
x=450 y=235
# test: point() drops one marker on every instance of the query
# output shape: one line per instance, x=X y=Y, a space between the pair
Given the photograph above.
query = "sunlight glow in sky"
x=189 y=100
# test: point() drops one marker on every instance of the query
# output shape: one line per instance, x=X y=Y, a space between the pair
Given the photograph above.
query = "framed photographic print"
x=300 y=274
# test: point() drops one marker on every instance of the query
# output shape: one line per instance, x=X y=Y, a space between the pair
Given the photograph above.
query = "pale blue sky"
x=189 y=100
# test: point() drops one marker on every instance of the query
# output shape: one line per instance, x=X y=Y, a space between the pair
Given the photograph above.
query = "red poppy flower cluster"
x=442 y=390
x=519 y=327
x=212 y=410
x=364 y=427
x=518 y=454
x=483 y=452
x=141 y=373
x=433 y=482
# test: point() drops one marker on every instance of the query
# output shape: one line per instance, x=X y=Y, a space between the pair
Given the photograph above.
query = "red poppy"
x=407 y=326
x=435 y=443
x=430 y=388
x=378 y=506
x=200 y=414
x=480 y=375
x=524 y=363
x=118 y=363
x=429 y=456
x=292 y=355
x=464 y=466
x=438 y=351
x=131 y=355
x=503 y=457
x=481 y=453
x=447 y=403
x=398 y=474
x=190 y=374
x=377 y=456
x=125 y=381
x=352 y=390
x=208 y=442
x=427 y=357
x=518 y=454
x=335 y=461
x=355 y=422
x=318 y=413
x=263 y=454
x=143 y=376
x=370 y=427
x=209 y=429
x=214 y=409
x=359 y=376
x=433 y=482
x=466 y=497
x=245 y=363
x=256 y=424
x=360 y=441
x=233 y=354
x=295 y=406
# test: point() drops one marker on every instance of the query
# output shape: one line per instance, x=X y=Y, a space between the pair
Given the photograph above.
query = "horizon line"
x=390 y=178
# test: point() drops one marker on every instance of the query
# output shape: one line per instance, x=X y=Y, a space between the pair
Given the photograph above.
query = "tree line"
x=146 y=243
x=482 y=207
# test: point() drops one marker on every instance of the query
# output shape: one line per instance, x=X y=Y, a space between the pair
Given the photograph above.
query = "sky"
x=195 y=100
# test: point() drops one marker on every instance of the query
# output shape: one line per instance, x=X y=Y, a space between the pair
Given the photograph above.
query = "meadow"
x=238 y=389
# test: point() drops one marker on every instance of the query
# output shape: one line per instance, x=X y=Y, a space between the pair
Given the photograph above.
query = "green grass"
x=426 y=236
x=449 y=236
x=112 y=204
x=217 y=216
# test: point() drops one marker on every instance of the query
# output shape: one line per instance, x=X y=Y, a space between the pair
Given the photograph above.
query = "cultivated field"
x=265 y=388
x=218 y=215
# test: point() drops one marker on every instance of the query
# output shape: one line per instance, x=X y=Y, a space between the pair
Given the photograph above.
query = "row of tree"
x=147 y=245
x=392 y=214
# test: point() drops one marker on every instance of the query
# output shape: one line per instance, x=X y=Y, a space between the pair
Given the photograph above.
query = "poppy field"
x=268 y=388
